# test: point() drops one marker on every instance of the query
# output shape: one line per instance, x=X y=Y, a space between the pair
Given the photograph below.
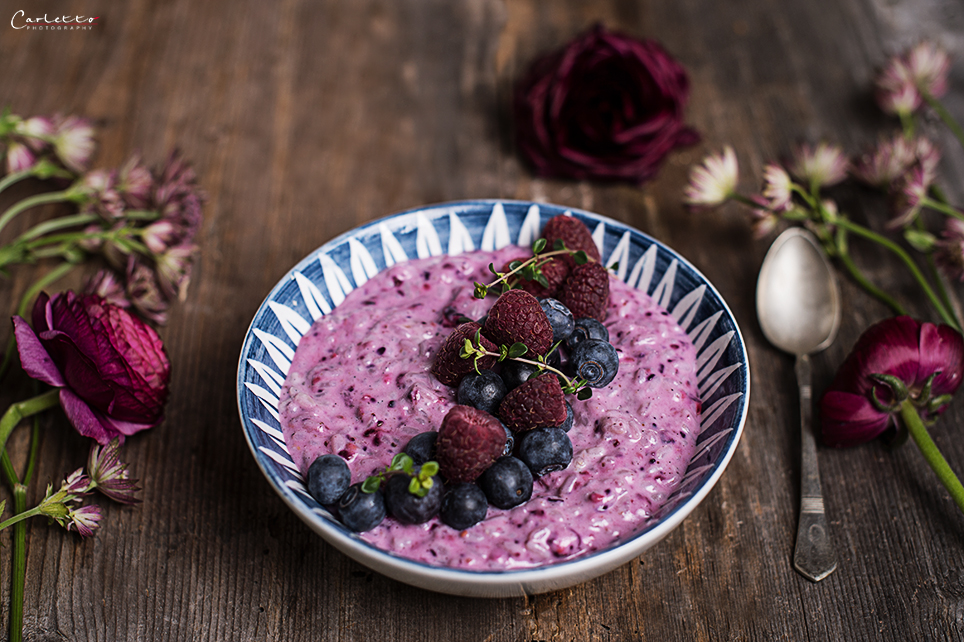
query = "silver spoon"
x=798 y=304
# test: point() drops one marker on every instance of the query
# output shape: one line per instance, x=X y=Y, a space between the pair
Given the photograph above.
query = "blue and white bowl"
x=321 y=281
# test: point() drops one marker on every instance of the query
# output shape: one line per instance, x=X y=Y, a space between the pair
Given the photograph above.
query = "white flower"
x=821 y=166
x=714 y=181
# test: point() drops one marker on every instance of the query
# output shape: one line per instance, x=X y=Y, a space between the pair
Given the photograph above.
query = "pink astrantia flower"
x=949 y=253
x=73 y=142
x=108 y=474
x=145 y=294
x=929 y=65
x=605 y=106
x=763 y=220
x=908 y=197
x=19 y=157
x=892 y=158
x=714 y=181
x=135 y=183
x=108 y=285
x=83 y=519
x=822 y=166
x=777 y=187
x=76 y=484
x=110 y=366
x=928 y=359
x=36 y=132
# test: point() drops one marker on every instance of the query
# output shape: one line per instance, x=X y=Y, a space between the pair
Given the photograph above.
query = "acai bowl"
x=322 y=281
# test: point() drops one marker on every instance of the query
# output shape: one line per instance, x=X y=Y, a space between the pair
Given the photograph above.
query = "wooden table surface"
x=307 y=118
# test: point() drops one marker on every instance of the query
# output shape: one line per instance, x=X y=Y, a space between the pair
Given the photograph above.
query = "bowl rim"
x=401 y=567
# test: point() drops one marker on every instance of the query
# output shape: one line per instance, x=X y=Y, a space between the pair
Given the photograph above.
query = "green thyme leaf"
x=542 y=280
x=415 y=487
x=467 y=350
x=580 y=257
x=614 y=266
x=538 y=246
x=558 y=245
x=516 y=350
x=429 y=469
x=515 y=265
x=401 y=461
x=492 y=269
x=584 y=393
x=371 y=484
x=480 y=290
x=503 y=352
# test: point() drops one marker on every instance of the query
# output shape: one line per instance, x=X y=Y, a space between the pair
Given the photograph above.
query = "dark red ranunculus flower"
x=900 y=347
x=606 y=106
x=110 y=366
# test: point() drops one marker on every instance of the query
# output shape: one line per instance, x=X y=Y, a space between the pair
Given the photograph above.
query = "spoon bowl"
x=798 y=305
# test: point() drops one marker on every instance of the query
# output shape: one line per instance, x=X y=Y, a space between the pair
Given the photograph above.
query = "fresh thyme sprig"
x=530 y=269
x=421 y=482
x=515 y=352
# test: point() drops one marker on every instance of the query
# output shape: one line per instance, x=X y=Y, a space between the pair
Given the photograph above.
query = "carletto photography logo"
x=21 y=20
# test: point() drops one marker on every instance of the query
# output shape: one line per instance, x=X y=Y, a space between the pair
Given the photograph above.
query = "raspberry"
x=518 y=317
x=449 y=367
x=574 y=234
x=555 y=269
x=538 y=403
x=586 y=291
x=469 y=441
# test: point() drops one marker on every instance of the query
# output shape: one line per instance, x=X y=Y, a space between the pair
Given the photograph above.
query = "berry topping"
x=463 y=505
x=507 y=483
x=595 y=361
x=408 y=507
x=516 y=373
x=554 y=270
x=574 y=234
x=586 y=291
x=566 y=425
x=517 y=317
x=585 y=328
x=538 y=403
x=468 y=442
x=328 y=478
x=483 y=390
x=421 y=447
x=545 y=450
x=560 y=318
x=361 y=511
x=449 y=367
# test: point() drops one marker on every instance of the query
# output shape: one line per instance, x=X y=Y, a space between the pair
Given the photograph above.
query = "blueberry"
x=328 y=478
x=506 y=483
x=483 y=390
x=560 y=318
x=509 y=440
x=586 y=329
x=361 y=511
x=421 y=447
x=516 y=373
x=595 y=361
x=463 y=505
x=545 y=450
x=407 y=507
x=566 y=425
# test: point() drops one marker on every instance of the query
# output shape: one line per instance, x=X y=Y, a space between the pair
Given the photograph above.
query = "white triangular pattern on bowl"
x=391 y=248
x=495 y=236
x=460 y=241
x=642 y=273
x=620 y=255
x=362 y=264
x=427 y=242
x=496 y=233
x=530 y=227
x=335 y=280
x=291 y=322
x=279 y=351
x=315 y=302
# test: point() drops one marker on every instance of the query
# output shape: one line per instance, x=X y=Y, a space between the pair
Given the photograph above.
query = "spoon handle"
x=813 y=556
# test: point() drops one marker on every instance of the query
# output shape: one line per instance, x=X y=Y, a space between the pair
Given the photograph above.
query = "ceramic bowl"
x=322 y=280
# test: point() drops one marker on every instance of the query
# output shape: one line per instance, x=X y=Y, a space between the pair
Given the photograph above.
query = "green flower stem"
x=859 y=230
x=19 y=411
x=907 y=124
x=945 y=116
x=33 y=201
x=16 y=177
x=54 y=275
x=16 y=519
x=928 y=448
x=943 y=208
x=19 y=578
x=56 y=224
x=867 y=285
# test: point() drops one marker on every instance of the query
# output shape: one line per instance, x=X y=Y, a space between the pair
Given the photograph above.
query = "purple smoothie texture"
x=360 y=386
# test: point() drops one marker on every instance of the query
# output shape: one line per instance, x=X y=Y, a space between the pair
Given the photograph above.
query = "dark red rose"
x=606 y=106
x=110 y=366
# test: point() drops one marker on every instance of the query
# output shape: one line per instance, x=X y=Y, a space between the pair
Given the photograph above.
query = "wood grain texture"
x=305 y=119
